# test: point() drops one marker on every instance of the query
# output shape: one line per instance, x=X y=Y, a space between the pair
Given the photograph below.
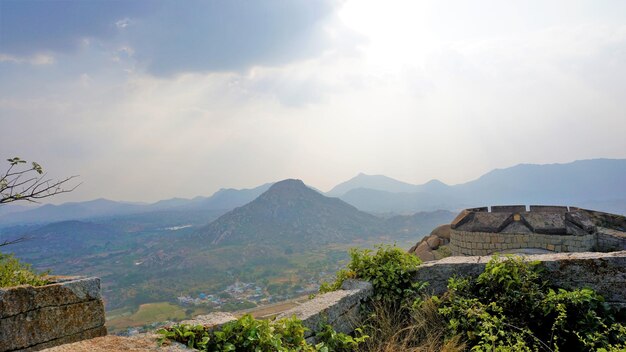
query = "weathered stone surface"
x=424 y=252
x=603 y=272
x=138 y=343
x=212 y=320
x=508 y=208
x=485 y=222
x=548 y=208
x=611 y=240
x=442 y=231
x=50 y=323
x=83 y=335
x=338 y=308
x=37 y=317
x=433 y=242
x=546 y=222
x=14 y=300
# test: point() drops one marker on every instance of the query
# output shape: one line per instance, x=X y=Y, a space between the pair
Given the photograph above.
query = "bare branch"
x=30 y=183
x=15 y=241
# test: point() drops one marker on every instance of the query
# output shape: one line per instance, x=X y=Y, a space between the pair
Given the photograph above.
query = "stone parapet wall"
x=340 y=309
x=34 y=318
x=603 y=272
x=610 y=240
x=485 y=243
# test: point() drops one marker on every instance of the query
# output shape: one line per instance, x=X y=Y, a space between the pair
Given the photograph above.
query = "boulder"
x=433 y=241
x=442 y=231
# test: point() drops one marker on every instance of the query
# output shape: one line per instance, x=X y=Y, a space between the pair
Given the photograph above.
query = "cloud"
x=29 y=27
x=170 y=37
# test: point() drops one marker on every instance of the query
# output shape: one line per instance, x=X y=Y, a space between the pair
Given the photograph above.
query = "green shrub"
x=14 y=273
x=254 y=335
x=510 y=307
x=389 y=269
x=338 y=342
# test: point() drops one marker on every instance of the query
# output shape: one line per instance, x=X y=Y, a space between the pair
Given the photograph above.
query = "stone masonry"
x=34 y=318
x=479 y=231
x=603 y=272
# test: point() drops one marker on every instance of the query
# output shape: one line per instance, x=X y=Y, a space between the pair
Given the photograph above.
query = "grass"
x=119 y=319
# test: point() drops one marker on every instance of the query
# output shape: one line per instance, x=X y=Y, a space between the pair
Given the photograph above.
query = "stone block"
x=14 y=300
x=47 y=324
x=338 y=308
x=33 y=318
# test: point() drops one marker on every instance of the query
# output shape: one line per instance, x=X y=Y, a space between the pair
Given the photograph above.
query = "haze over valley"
x=275 y=241
x=208 y=155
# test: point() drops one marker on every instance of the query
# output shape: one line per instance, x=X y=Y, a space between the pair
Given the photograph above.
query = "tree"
x=29 y=182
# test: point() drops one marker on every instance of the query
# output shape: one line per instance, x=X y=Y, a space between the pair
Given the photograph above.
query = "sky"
x=153 y=99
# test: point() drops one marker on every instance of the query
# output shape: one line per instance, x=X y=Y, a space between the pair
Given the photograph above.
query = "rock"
x=424 y=252
x=438 y=237
x=212 y=320
x=442 y=231
x=32 y=318
x=433 y=242
x=138 y=343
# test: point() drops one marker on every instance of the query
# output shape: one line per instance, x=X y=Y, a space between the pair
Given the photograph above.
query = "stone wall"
x=610 y=240
x=34 y=318
x=340 y=308
x=485 y=243
x=603 y=272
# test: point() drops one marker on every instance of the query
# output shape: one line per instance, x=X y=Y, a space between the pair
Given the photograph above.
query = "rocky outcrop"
x=432 y=247
x=33 y=318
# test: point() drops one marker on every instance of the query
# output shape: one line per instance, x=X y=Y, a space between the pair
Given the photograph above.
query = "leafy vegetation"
x=14 y=273
x=249 y=334
x=510 y=307
x=390 y=270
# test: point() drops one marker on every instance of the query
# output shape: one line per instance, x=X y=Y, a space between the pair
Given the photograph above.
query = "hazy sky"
x=154 y=99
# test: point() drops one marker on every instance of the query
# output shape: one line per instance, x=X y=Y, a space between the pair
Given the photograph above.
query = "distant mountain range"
x=596 y=183
x=224 y=199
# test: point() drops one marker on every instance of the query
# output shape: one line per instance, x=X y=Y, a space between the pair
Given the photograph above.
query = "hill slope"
x=292 y=212
x=596 y=183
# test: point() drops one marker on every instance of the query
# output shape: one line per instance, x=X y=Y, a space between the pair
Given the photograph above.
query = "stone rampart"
x=34 y=318
x=339 y=309
x=610 y=240
x=507 y=228
x=485 y=243
x=603 y=272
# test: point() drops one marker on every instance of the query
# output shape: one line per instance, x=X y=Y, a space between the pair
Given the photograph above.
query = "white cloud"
x=420 y=97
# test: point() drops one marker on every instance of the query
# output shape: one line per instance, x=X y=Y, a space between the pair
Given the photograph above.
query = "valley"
x=242 y=249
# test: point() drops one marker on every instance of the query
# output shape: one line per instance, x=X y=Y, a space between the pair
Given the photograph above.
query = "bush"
x=389 y=269
x=249 y=334
x=14 y=273
x=510 y=307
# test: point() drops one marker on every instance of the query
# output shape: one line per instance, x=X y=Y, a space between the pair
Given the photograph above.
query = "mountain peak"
x=290 y=211
x=288 y=183
x=375 y=182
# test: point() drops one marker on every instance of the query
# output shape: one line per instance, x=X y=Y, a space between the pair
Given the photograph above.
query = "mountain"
x=382 y=202
x=291 y=212
x=11 y=208
x=224 y=199
x=71 y=211
x=375 y=182
x=575 y=182
x=596 y=183
x=229 y=198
